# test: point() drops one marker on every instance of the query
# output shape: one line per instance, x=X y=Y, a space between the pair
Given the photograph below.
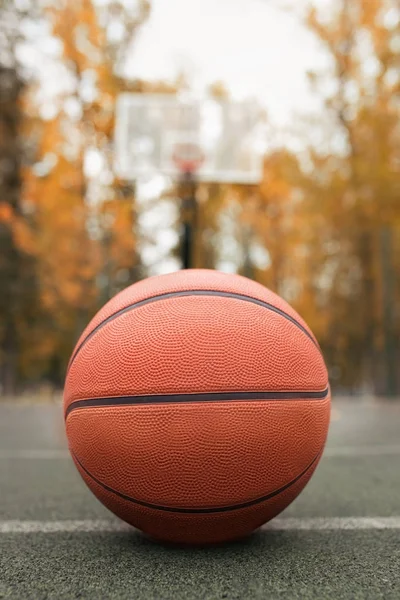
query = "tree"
x=359 y=188
x=18 y=282
x=87 y=242
x=66 y=233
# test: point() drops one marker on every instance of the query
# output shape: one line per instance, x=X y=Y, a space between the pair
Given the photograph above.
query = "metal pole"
x=189 y=210
x=247 y=265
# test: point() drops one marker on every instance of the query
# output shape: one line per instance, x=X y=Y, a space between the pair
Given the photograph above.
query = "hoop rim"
x=188 y=165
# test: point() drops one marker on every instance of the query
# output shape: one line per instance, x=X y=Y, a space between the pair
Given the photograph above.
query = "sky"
x=256 y=47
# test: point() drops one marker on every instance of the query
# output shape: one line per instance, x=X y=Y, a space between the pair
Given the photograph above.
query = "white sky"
x=253 y=46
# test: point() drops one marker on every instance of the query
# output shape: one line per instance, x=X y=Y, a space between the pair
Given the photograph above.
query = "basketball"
x=196 y=406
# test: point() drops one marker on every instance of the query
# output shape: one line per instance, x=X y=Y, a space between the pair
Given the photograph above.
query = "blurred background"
x=322 y=228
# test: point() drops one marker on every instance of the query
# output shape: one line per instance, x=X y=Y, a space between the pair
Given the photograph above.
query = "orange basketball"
x=196 y=406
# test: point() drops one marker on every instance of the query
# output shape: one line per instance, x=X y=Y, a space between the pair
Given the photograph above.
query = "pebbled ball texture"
x=188 y=469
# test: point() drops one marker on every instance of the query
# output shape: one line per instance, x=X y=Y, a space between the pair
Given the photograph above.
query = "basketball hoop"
x=188 y=157
x=161 y=133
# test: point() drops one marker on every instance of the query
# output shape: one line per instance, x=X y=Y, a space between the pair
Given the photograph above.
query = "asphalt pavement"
x=339 y=540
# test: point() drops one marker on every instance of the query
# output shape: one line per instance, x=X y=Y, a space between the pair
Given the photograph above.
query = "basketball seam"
x=218 y=293
x=194 y=398
x=199 y=510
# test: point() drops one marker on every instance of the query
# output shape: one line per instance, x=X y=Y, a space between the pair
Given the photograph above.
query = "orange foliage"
x=71 y=240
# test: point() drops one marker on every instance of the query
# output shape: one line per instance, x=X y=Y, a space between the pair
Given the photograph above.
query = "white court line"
x=392 y=450
x=334 y=523
x=289 y=524
x=34 y=454
x=329 y=452
x=87 y=526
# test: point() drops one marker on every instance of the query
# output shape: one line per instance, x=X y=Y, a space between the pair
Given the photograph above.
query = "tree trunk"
x=11 y=267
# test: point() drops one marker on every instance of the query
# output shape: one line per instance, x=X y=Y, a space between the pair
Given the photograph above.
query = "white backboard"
x=149 y=127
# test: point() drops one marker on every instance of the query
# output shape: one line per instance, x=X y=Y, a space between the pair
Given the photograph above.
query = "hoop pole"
x=189 y=213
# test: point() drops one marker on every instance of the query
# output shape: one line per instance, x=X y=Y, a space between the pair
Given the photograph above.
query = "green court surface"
x=339 y=539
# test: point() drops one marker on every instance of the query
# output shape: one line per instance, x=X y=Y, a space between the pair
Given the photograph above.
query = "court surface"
x=339 y=539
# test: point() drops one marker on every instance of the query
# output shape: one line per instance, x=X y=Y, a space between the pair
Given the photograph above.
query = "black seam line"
x=199 y=510
x=192 y=293
x=193 y=398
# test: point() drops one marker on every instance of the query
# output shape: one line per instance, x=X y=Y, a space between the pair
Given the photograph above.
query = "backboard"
x=151 y=129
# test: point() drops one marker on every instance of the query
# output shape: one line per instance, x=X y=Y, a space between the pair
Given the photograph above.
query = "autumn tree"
x=85 y=216
x=329 y=217
x=355 y=186
x=19 y=306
